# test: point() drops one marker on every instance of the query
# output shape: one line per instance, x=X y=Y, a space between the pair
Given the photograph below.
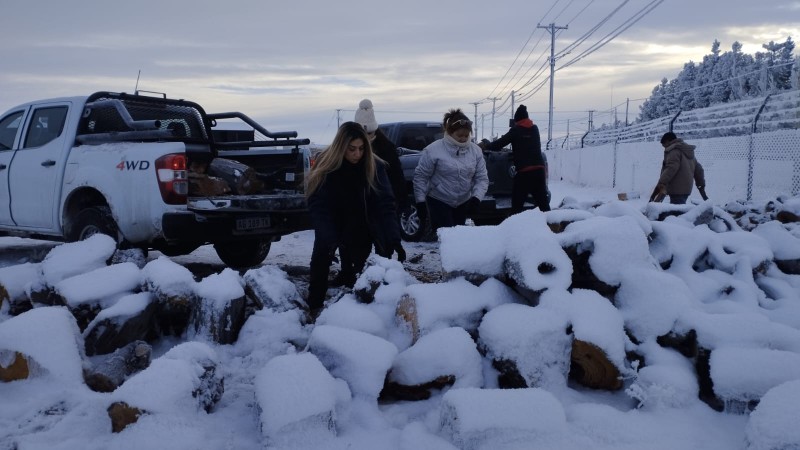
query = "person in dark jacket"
x=385 y=149
x=526 y=147
x=678 y=170
x=351 y=208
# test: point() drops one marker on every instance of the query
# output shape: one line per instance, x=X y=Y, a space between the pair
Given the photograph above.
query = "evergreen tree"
x=726 y=77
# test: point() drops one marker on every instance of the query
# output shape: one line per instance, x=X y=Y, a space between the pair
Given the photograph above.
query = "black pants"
x=444 y=215
x=533 y=183
x=353 y=254
x=678 y=199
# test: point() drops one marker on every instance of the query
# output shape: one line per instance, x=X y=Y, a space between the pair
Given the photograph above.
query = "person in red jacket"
x=526 y=147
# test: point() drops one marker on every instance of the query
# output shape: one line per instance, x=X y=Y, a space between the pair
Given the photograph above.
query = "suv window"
x=46 y=125
x=8 y=130
x=418 y=137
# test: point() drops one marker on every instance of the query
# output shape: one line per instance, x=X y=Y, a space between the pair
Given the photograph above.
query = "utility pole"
x=627 y=105
x=338 y=118
x=591 y=114
x=552 y=30
x=512 y=105
x=494 y=101
x=475 y=123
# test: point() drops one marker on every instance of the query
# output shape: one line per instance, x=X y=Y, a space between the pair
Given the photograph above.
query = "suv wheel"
x=410 y=227
x=243 y=254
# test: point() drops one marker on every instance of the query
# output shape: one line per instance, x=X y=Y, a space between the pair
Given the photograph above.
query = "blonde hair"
x=331 y=158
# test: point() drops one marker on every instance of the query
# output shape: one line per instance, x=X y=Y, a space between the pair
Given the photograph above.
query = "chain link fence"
x=750 y=150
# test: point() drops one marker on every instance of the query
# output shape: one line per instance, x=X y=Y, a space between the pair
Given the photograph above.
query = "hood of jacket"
x=686 y=149
x=525 y=123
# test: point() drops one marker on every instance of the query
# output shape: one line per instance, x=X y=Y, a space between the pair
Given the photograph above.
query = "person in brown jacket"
x=679 y=169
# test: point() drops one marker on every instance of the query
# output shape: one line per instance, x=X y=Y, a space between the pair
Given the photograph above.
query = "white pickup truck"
x=120 y=164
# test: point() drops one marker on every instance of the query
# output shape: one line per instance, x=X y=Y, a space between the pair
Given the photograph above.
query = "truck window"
x=8 y=130
x=46 y=125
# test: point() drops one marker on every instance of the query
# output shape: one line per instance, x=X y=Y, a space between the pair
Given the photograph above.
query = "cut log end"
x=592 y=368
x=122 y=415
x=17 y=370
x=407 y=313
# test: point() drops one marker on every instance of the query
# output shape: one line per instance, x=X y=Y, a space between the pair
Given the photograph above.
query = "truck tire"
x=243 y=254
x=90 y=221
x=411 y=228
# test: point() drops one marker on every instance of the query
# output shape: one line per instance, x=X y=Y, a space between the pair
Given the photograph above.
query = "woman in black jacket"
x=352 y=207
x=384 y=149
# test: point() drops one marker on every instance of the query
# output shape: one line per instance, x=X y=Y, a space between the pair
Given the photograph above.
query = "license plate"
x=252 y=223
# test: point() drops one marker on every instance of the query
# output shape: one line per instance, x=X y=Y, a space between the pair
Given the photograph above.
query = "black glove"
x=702 y=190
x=658 y=193
x=401 y=252
x=422 y=211
x=473 y=204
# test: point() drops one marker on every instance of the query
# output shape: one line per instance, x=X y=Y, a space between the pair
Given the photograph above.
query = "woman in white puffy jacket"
x=451 y=179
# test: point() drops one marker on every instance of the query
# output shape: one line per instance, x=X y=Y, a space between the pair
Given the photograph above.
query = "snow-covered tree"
x=725 y=77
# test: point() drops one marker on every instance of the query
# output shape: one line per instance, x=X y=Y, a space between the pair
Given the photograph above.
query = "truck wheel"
x=90 y=221
x=411 y=229
x=243 y=254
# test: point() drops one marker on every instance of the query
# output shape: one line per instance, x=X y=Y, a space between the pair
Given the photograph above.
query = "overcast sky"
x=292 y=64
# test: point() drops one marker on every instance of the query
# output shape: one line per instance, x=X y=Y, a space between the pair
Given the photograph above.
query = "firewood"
x=201 y=184
x=122 y=415
x=407 y=312
x=17 y=370
x=592 y=368
x=242 y=179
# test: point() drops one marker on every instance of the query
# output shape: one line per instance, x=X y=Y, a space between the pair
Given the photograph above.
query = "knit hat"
x=522 y=113
x=365 y=115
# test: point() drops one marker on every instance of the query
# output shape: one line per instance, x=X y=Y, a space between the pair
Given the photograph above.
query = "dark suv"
x=495 y=207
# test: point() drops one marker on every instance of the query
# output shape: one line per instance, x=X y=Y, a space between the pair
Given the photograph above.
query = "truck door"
x=37 y=167
x=9 y=126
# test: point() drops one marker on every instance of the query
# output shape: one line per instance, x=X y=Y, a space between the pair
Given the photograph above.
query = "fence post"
x=750 y=159
x=672 y=121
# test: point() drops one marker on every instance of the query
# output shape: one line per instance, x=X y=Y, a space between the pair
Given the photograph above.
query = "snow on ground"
x=293 y=385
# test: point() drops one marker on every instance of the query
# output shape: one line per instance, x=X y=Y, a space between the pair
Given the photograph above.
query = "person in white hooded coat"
x=450 y=179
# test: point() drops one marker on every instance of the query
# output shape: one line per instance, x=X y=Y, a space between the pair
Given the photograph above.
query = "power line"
x=520 y=52
x=614 y=33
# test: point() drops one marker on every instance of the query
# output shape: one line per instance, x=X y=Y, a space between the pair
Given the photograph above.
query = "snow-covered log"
x=48 y=340
x=529 y=346
x=186 y=378
x=14 y=282
x=88 y=293
x=128 y=320
x=173 y=286
x=108 y=372
x=269 y=287
x=428 y=307
x=220 y=313
x=474 y=418
x=297 y=400
x=455 y=361
x=361 y=359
